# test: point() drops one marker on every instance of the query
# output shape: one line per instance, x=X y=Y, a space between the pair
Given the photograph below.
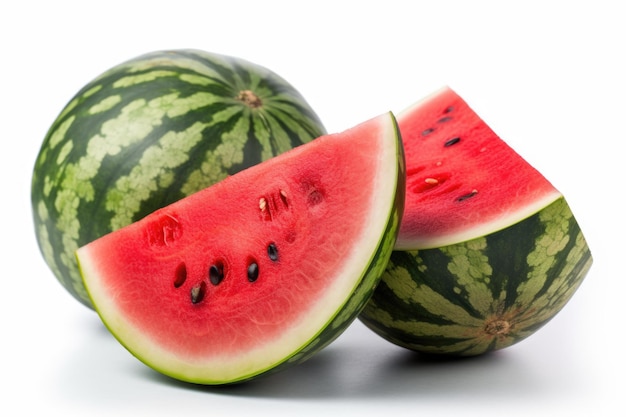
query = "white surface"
x=548 y=76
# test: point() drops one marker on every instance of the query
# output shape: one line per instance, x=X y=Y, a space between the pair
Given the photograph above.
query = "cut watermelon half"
x=260 y=270
x=463 y=181
x=491 y=251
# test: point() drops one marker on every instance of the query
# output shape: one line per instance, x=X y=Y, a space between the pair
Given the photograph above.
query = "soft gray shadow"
x=359 y=365
x=341 y=371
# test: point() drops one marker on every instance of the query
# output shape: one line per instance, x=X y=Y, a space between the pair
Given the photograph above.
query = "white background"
x=548 y=76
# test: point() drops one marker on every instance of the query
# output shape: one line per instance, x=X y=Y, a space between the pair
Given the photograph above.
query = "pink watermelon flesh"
x=234 y=279
x=463 y=181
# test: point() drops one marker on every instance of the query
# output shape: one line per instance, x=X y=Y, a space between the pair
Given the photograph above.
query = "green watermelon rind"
x=346 y=315
x=367 y=285
x=176 y=109
x=483 y=294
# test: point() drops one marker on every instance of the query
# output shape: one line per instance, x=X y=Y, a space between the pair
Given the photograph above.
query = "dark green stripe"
x=507 y=251
x=529 y=271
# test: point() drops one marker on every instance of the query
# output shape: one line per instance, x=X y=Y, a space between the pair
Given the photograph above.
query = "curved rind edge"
x=365 y=287
x=450 y=311
x=342 y=317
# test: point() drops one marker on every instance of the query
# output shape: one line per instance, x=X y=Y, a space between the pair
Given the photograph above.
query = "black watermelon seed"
x=253 y=272
x=444 y=119
x=452 y=141
x=427 y=131
x=180 y=276
x=466 y=196
x=198 y=292
x=449 y=109
x=272 y=252
x=216 y=274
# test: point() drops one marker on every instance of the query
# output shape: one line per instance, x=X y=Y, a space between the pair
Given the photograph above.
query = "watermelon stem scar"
x=496 y=327
x=249 y=98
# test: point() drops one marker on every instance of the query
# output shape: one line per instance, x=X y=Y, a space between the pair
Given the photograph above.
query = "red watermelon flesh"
x=260 y=269
x=463 y=181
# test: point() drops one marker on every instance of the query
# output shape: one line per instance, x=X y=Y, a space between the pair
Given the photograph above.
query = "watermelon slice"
x=463 y=181
x=259 y=271
x=489 y=250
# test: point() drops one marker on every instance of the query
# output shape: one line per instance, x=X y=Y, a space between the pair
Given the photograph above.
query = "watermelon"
x=151 y=131
x=488 y=249
x=262 y=269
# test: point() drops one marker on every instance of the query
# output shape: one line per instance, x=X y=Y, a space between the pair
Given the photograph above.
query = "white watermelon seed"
x=198 y=292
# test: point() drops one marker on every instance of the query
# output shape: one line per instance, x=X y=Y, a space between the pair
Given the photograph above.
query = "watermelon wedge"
x=463 y=181
x=488 y=250
x=259 y=271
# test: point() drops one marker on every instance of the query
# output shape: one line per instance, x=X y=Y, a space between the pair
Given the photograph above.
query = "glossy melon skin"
x=149 y=132
x=317 y=228
x=484 y=294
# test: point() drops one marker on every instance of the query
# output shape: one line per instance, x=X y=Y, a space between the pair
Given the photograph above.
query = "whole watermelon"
x=149 y=132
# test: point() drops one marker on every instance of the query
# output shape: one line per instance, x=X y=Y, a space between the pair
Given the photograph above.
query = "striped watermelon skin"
x=149 y=132
x=484 y=294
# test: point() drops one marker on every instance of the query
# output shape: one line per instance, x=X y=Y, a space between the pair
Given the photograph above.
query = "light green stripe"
x=548 y=246
x=561 y=289
x=263 y=134
x=196 y=79
x=45 y=245
x=65 y=151
x=105 y=104
x=154 y=171
x=279 y=138
x=136 y=120
x=77 y=100
x=471 y=268
x=406 y=289
x=130 y=80
x=225 y=155
x=180 y=106
x=300 y=126
x=59 y=133
x=93 y=90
